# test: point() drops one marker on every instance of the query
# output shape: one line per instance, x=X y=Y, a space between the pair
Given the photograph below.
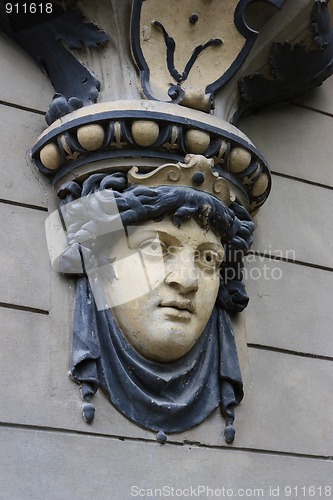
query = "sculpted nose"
x=183 y=274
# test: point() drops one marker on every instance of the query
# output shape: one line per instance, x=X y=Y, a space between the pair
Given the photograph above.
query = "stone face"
x=167 y=311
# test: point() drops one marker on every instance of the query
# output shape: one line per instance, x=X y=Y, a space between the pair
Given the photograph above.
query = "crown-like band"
x=117 y=136
x=196 y=172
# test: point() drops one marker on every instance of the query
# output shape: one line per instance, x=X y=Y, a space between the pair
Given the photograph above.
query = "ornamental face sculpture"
x=157 y=193
x=164 y=324
x=162 y=302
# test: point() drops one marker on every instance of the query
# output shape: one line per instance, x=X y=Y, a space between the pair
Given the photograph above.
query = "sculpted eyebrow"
x=167 y=236
x=139 y=237
x=211 y=246
x=136 y=238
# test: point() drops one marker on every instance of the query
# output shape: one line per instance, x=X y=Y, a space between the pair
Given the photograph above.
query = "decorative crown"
x=110 y=137
x=196 y=172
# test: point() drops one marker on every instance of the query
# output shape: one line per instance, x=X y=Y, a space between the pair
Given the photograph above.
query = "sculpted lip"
x=182 y=306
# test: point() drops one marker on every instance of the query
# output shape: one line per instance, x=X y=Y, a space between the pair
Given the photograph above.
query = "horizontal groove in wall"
x=17 y=307
x=34 y=428
x=287 y=351
x=22 y=108
x=290 y=261
x=310 y=108
x=299 y=179
x=24 y=205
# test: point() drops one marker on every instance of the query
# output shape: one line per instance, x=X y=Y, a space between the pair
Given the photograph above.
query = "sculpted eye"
x=153 y=248
x=209 y=258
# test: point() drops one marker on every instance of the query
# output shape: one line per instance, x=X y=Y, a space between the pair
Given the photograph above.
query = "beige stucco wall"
x=284 y=436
